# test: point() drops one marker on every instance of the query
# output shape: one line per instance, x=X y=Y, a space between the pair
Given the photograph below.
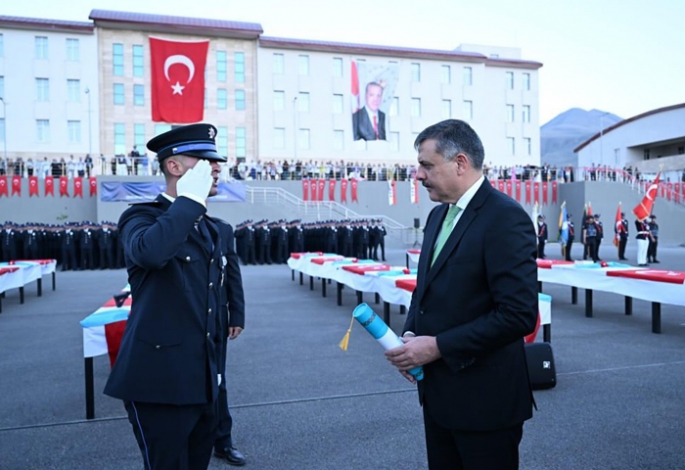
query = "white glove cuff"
x=194 y=198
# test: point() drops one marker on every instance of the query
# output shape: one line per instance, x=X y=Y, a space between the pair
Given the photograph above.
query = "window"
x=395 y=106
x=2 y=86
x=42 y=89
x=279 y=100
x=416 y=107
x=303 y=102
x=240 y=142
x=139 y=135
x=279 y=64
x=138 y=61
x=43 y=130
x=510 y=80
x=526 y=113
x=446 y=74
x=338 y=140
x=139 y=95
x=415 y=72
x=2 y=130
x=74 y=90
x=74 y=129
x=511 y=144
x=119 y=93
x=239 y=58
x=468 y=110
x=279 y=138
x=467 y=78
x=337 y=67
x=118 y=59
x=2 y=45
x=119 y=139
x=41 y=47
x=526 y=81
x=510 y=113
x=240 y=100
x=529 y=145
x=681 y=150
x=220 y=66
x=395 y=141
x=303 y=139
x=222 y=140
x=446 y=109
x=646 y=154
x=72 y=50
x=303 y=64
x=221 y=98
x=337 y=104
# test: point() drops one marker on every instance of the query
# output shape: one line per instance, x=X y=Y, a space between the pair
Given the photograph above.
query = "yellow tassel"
x=346 y=339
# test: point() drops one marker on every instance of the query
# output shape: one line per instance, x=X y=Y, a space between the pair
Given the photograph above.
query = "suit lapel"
x=429 y=239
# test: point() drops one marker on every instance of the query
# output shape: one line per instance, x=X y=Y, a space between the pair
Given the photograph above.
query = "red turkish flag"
x=322 y=186
x=500 y=185
x=33 y=186
x=518 y=191
x=555 y=190
x=353 y=190
x=508 y=188
x=305 y=190
x=536 y=192
x=93 y=183
x=527 y=192
x=49 y=186
x=676 y=188
x=16 y=185
x=669 y=191
x=78 y=186
x=545 y=193
x=343 y=190
x=3 y=186
x=493 y=183
x=331 y=189
x=312 y=189
x=643 y=209
x=63 y=188
x=178 y=80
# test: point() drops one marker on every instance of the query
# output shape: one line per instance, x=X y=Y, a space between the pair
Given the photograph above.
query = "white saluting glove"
x=196 y=182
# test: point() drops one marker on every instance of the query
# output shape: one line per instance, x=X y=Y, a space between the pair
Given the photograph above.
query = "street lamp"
x=90 y=134
x=4 y=137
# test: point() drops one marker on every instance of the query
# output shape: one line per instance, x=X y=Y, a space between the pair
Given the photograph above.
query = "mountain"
x=566 y=131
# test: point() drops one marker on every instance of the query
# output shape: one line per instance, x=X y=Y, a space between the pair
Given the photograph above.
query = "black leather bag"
x=541 y=370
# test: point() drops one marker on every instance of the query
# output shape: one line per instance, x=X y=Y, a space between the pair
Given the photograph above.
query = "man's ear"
x=173 y=167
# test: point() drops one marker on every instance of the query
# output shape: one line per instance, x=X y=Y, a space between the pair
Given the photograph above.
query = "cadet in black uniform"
x=600 y=235
x=264 y=242
x=69 y=248
x=282 y=243
x=364 y=239
x=542 y=236
x=87 y=244
x=571 y=237
x=169 y=368
x=653 y=241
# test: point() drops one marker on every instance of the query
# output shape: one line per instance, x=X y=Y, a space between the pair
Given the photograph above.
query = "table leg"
x=574 y=295
x=378 y=298
x=323 y=287
x=292 y=274
x=360 y=297
x=547 y=333
x=21 y=295
x=407 y=259
x=54 y=281
x=340 y=289
x=386 y=313
x=629 y=305
x=301 y=278
x=40 y=287
x=403 y=309
x=540 y=286
x=311 y=282
x=656 y=317
x=588 y=303
x=90 y=389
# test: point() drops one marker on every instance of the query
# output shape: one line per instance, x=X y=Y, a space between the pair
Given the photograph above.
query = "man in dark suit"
x=169 y=368
x=369 y=122
x=475 y=300
x=542 y=236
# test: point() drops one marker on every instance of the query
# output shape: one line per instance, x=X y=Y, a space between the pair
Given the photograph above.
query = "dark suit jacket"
x=171 y=349
x=363 y=128
x=479 y=299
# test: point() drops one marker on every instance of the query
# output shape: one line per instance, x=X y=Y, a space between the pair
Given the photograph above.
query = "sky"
x=621 y=56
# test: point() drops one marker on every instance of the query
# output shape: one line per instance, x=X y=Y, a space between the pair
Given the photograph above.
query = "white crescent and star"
x=182 y=60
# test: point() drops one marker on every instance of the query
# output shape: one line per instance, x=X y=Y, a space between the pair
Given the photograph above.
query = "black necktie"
x=202 y=226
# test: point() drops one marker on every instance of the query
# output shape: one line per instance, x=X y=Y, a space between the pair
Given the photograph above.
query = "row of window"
x=139 y=97
x=139 y=138
x=445 y=71
x=43 y=131
x=42 y=49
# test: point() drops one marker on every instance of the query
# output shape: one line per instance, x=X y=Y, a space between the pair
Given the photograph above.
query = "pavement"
x=300 y=403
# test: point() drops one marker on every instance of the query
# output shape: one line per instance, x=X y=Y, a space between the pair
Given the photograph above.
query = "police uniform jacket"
x=171 y=348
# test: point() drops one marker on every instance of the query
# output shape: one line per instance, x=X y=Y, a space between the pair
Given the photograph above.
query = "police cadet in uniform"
x=282 y=243
x=364 y=239
x=654 y=240
x=381 y=232
x=169 y=368
x=9 y=242
x=571 y=237
x=32 y=241
x=622 y=230
x=600 y=235
x=296 y=237
x=264 y=242
x=69 y=248
x=542 y=236
x=87 y=246
x=105 y=242
x=590 y=237
x=347 y=241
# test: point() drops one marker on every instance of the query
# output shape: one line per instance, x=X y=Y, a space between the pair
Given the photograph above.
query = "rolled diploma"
x=379 y=330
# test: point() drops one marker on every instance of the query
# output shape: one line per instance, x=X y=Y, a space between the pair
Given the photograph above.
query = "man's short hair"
x=366 y=90
x=452 y=137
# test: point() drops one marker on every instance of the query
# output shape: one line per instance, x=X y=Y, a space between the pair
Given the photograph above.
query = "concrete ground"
x=300 y=403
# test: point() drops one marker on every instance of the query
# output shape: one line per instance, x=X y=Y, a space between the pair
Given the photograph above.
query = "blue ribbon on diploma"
x=380 y=331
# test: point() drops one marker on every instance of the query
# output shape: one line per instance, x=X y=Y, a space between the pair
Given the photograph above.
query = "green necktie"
x=445 y=231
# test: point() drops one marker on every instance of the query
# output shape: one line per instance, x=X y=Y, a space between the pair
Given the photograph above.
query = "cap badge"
x=212 y=133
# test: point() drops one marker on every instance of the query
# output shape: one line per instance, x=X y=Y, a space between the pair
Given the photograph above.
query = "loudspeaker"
x=417 y=223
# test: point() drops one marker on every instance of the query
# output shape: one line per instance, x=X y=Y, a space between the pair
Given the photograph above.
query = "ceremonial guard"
x=542 y=236
x=590 y=237
x=600 y=234
x=182 y=272
x=571 y=237
x=621 y=230
x=643 y=238
x=654 y=240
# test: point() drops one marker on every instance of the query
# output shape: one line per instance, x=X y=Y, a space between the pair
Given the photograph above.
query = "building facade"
x=230 y=79
x=49 y=89
x=306 y=100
